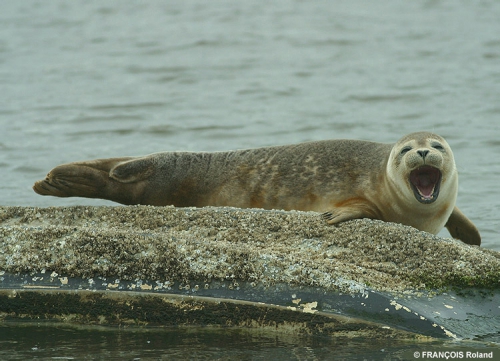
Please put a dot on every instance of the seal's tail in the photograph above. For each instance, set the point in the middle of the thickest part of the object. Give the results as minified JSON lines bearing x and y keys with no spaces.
{"x":90,"y":179}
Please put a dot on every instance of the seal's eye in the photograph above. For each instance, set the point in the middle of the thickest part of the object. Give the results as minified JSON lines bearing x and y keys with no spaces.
{"x":438,"y":147}
{"x":405,"y":150}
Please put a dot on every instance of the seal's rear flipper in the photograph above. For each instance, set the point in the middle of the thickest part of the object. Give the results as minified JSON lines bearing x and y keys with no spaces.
{"x":91,"y":179}
{"x":462,"y":228}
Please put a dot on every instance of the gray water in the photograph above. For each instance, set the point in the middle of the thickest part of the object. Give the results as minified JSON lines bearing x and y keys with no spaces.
{"x":43,"y":342}
{"x":89,"y":79}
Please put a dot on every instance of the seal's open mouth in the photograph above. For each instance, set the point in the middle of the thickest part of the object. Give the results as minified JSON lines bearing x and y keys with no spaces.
{"x":425,"y":182}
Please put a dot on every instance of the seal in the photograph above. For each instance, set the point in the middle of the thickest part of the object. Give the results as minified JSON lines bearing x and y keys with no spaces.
{"x":413,"y":182}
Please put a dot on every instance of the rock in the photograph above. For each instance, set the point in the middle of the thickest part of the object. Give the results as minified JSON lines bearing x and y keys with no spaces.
{"x":390,"y":274}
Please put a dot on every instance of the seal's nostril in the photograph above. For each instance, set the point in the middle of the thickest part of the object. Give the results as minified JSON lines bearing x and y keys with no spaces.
{"x":423,"y":153}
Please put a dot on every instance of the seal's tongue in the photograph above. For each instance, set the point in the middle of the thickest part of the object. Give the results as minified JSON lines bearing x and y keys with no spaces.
{"x":425,"y":179}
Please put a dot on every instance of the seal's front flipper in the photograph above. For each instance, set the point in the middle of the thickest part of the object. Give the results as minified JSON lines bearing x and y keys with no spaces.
{"x":342,"y":214}
{"x":462,"y":228}
{"x":353,"y":208}
{"x":89,"y":179}
{"x":134,"y":170}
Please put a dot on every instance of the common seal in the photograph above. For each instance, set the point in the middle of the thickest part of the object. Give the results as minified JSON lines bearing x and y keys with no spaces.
{"x":413,"y":182}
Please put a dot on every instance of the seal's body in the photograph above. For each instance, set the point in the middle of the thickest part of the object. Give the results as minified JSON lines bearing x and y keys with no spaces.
{"x":413,"y":182}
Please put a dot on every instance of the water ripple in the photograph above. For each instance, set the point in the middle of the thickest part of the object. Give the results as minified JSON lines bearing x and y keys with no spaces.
{"x":403,"y":97}
{"x":128,"y":106}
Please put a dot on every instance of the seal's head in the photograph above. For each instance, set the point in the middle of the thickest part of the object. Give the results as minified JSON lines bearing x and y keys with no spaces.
{"x":422,"y":167}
